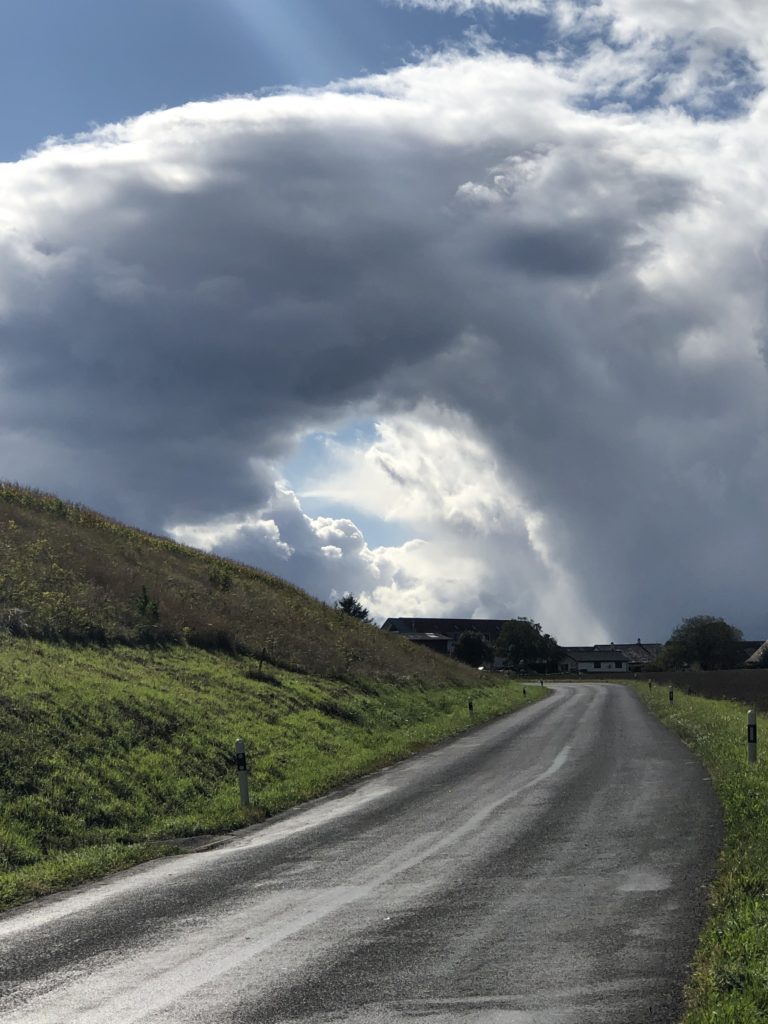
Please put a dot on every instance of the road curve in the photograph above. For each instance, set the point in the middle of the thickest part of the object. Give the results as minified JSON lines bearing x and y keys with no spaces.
{"x":548,"y":868}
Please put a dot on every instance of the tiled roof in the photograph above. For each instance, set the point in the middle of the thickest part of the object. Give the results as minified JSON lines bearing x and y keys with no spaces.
{"x":756,"y":656}
{"x":452,"y":628}
{"x":643,"y":653}
{"x":600,"y":653}
{"x":427,"y":636}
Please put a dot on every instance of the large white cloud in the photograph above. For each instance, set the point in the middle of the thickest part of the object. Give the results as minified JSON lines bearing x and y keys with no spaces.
{"x":478,"y":552}
{"x":731,"y":23}
{"x":707,"y":55}
{"x":464,"y":249}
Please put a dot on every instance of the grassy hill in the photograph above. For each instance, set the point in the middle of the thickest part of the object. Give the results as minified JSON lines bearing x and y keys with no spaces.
{"x":70,"y":574}
{"x":129,"y":665}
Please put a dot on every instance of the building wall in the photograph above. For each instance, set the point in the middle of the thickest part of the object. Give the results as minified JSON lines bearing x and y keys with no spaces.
{"x":605,"y":665}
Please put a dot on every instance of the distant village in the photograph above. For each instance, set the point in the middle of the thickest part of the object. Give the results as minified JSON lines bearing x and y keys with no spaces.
{"x":442,"y":635}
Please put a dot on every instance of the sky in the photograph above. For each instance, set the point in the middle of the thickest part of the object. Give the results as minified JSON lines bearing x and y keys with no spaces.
{"x":458,"y":305}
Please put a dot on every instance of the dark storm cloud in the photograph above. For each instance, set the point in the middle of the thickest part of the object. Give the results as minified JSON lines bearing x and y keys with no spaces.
{"x":577,"y":249}
{"x":184,"y":295}
{"x":178,"y":329}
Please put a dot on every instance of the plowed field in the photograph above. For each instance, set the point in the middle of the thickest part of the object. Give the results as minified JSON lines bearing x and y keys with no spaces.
{"x":749,"y":686}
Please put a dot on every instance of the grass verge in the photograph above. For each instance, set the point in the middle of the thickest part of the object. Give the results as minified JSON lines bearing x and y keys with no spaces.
{"x":729,"y":984}
{"x":110,"y":752}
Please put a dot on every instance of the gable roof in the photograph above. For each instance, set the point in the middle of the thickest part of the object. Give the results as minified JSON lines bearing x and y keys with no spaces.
{"x":756,"y":656}
{"x":451,"y":628}
{"x":601,"y":652}
{"x":641,"y":654}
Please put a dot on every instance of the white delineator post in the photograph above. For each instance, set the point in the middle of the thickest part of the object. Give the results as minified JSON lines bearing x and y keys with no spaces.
{"x":242,"y":773}
{"x":752,"y":736}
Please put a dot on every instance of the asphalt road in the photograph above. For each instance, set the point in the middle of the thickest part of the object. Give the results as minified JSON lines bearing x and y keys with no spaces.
{"x":549,"y":868}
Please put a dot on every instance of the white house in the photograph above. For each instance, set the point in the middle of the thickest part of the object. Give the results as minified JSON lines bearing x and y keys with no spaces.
{"x":600,"y":658}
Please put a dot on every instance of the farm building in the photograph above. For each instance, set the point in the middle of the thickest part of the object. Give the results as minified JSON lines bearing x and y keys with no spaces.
{"x":441,"y":634}
{"x":599,"y":658}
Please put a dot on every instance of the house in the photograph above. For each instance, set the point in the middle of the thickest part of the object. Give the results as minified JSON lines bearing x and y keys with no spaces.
{"x":755,"y":659}
{"x":434,"y":641}
{"x":598,"y":658}
{"x":441,"y":634}
{"x":640,"y":656}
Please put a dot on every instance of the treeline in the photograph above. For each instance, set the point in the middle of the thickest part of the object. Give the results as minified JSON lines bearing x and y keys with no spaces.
{"x":521,"y":644}
{"x":700,"y":642}
{"x":705,"y":642}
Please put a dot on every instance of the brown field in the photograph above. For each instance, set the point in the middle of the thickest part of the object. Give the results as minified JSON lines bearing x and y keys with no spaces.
{"x":748,"y":686}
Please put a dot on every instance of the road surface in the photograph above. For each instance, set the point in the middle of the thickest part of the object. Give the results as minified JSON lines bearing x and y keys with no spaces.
{"x":548,"y":868}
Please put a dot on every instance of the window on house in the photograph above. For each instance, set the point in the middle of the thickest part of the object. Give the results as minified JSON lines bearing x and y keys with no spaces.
{"x":598,"y":664}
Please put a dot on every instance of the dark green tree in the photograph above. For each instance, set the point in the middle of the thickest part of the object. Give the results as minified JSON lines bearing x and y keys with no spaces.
{"x":351,"y":606}
{"x":522,"y":643}
{"x":703,"y":640}
{"x":473,"y":649}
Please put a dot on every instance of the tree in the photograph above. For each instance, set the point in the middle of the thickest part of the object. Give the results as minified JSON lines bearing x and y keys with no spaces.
{"x":703,"y":640}
{"x":351,"y":606}
{"x":522,"y":642}
{"x":473,"y":649}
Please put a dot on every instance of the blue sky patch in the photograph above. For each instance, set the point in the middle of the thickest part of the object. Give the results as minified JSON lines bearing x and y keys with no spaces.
{"x":66,"y":67}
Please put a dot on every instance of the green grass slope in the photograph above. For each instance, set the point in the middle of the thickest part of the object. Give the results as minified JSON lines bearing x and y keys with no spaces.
{"x":70,"y":574}
{"x":107,"y":751}
{"x":730,"y":978}
{"x":130,"y":664}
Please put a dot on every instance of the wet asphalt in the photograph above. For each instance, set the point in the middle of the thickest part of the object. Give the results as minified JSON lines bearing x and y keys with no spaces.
{"x":548,"y":868}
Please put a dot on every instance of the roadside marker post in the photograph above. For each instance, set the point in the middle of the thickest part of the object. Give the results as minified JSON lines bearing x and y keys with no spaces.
{"x":671,"y":694}
{"x":242,"y":773}
{"x":752,"y":736}
{"x":470,"y":706}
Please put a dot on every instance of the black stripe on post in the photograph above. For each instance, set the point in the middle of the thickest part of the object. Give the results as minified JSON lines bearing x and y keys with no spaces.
{"x":752,"y":736}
